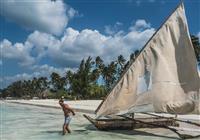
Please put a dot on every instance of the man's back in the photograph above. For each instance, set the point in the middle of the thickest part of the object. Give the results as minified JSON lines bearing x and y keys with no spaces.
{"x":66,"y":109}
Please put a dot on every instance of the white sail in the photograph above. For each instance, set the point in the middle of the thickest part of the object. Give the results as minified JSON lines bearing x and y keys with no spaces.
{"x":166,"y":68}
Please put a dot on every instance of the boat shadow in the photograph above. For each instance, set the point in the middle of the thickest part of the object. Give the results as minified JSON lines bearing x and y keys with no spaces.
{"x":132,"y":132}
{"x":143,"y":133}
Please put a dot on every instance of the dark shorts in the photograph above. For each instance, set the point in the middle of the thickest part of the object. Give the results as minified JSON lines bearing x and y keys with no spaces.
{"x":67,"y":120}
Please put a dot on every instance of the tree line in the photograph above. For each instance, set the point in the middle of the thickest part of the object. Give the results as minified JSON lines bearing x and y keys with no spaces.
{"x":92,"y":80}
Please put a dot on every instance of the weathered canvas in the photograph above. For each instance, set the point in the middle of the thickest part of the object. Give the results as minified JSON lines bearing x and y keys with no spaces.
{"x":167,"y":70}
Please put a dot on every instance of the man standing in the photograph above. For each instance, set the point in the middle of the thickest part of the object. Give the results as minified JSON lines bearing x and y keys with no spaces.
{"x":67,"y":110}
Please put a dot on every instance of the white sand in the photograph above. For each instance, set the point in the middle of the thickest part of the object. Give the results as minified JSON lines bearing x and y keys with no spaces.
{"x":86,"y":106}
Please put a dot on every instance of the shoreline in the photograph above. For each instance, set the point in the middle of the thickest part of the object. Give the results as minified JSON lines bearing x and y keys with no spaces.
{"x":76,"y":109}
{"x":87,"y":106}
{"x":83,"y":106}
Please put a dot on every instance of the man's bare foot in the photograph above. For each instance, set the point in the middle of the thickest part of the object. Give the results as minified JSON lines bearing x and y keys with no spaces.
{"x":64,"y":132}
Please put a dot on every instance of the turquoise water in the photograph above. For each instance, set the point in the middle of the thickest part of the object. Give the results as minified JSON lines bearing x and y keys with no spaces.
{"x":23,"y":122}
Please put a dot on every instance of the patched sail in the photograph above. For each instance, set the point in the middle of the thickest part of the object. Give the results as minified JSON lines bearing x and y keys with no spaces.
{"x":167,"y":70}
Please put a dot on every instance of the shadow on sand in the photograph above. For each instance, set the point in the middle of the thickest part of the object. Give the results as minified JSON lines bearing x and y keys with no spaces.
{"x":60,"y":131}
{"x":52,"y":132}
{"x":132,"y":132}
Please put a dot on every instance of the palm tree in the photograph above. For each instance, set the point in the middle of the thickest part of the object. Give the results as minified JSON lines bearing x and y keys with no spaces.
{"x":69,"y":78}
{"x":57,"y":81}
{"x":15,"y":89}
{"x":134,"y":55}
{"x":42,"y":85}
{"x":196,"y":45}
{"x":34,"y":86}
{"x":95,"y":75}
{"x":137,"y":52}
{"x":99,"y":63}
{"x":81,"y":80}
{"x":121,"y":62}
{"x":98,"y":69}
{"x":109,"y":74}
{"x":27,"y":87}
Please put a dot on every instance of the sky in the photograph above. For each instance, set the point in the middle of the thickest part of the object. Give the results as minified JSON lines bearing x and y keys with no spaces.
{"x":39,"y":37}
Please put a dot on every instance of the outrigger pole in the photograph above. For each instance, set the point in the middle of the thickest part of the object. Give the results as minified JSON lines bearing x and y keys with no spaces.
{"x":189,"y":122}
{"x":182,"y":136}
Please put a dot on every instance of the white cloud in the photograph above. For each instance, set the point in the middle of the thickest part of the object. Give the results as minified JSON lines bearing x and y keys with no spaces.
{"x":42,"y":42}
{"x":71,"y":48}
{"x":17,"y":51}
{"x":140,"y":24}
{"x":75,"y":45}
{"x":111,"y":30}
{"x":44,"y":15}
{"x":39,"y":71}
{"x":46,"y":70}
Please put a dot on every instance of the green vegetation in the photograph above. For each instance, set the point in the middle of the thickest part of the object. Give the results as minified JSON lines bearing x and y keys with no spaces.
{"x":92,"y":80}
{"x":196,"y":45}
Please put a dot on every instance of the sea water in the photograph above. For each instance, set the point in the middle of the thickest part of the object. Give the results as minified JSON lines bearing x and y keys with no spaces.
{"x":24,"y":122}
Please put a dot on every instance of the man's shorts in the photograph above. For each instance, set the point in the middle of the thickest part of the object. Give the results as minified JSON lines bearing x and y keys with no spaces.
{"x":67,"y":120}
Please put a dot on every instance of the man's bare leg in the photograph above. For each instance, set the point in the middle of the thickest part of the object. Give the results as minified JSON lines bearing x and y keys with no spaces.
{"x":67,"y":128}
{"x":64,"y":129}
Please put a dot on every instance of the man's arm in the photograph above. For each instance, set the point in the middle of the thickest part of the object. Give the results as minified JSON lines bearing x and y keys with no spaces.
{"x":70,"y":109}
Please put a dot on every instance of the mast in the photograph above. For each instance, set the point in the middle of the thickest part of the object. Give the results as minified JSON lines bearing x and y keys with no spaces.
{"x":180,"y":4}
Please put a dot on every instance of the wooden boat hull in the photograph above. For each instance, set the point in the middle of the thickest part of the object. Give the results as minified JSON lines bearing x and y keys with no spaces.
{"x":125,"y":124}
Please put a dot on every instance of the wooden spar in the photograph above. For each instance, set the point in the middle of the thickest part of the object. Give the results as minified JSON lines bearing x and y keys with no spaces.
{"x":126,"y":70}
{"x":189,"y":122}
{"x":182,"y":136}
{"x":127,"y":124}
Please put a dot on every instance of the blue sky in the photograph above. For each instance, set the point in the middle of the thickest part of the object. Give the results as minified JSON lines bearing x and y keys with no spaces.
{"x":39,"y":37}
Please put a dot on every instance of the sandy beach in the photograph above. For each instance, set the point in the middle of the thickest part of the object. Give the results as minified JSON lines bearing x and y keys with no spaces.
{"x":89,"y":106}
{"x":85,"y":106}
